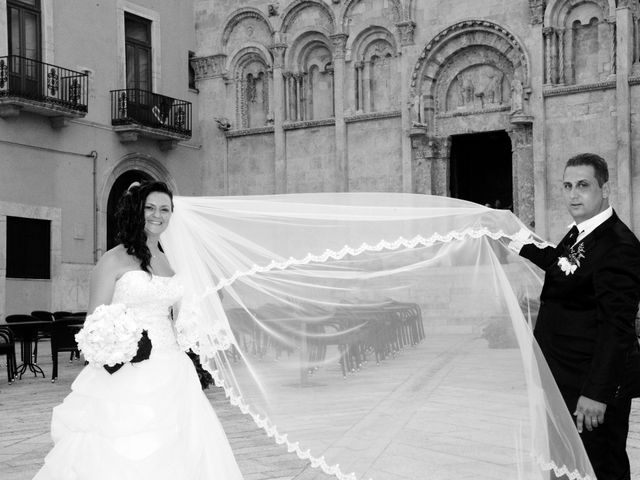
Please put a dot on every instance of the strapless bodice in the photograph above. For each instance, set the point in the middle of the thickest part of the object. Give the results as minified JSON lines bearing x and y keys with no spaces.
{"x":149,"y":298}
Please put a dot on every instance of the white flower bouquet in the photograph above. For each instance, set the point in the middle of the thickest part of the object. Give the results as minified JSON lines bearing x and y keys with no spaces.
{"x":111,"y":337}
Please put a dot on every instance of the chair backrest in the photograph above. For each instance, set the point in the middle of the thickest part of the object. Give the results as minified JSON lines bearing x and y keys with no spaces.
{"x":63,"y":334}
{"x":6,"y":336}
{"x":61,"y":314}
{"x":20,"y":318}
{"x":42,"y":315}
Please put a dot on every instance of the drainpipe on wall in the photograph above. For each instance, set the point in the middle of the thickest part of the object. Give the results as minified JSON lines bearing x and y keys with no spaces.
{"x":94,"y":156}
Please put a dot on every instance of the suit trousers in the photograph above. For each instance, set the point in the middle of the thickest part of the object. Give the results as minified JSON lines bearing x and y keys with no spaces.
{"x":606,"y":445}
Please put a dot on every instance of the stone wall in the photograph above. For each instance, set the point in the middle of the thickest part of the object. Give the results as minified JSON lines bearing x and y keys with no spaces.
{"x":550,"y":73}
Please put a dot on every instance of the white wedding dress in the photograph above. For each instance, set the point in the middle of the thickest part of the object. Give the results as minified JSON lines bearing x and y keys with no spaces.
{"x":147,"y":421}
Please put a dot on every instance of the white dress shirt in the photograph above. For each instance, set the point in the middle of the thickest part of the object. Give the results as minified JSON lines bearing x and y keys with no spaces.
{"x":588,"y":226}
{"x":584,"y":229}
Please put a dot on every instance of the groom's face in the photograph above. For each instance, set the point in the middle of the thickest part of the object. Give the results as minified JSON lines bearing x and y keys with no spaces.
{"x":583,"y":195}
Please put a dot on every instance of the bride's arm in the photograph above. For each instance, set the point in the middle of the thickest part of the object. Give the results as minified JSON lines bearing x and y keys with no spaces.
{"x":103,"y":281}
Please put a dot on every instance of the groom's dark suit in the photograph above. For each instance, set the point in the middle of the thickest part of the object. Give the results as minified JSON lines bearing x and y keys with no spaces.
{"x":585,"y":328}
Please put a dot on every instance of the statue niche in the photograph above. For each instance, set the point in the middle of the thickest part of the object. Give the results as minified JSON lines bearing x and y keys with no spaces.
{"x":477,"y":88}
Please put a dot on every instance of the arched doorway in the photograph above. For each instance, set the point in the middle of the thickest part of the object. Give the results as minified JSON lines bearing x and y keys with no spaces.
{"x":481,"y":168}
{"x":117,"y":190}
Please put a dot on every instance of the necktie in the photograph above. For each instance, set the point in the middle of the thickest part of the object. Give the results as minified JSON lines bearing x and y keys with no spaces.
{"x":571,"y":237}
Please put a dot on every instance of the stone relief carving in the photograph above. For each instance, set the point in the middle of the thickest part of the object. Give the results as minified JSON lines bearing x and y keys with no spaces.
{"x":406,"y":30}
{"x":478,"y":87}
{"x":517,"y":96}
{"x":211,"y":66}
{"x":254,"y":23}
{"x":536,"y":11}
{"x":272,"y":9}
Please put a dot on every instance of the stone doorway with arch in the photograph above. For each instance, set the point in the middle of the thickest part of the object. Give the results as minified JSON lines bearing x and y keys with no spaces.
{"x":131,"y":168}
{"x":472,"y":78}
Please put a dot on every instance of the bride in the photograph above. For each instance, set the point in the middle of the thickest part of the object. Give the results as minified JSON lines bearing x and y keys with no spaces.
{"x":148,"y":420}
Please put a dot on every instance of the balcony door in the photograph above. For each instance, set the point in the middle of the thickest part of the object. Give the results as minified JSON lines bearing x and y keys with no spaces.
{"x":138,"y":66}
{"x":25,"y":47}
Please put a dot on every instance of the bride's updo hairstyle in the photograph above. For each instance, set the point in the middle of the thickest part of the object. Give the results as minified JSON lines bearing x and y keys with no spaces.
{"x":130,"y":219}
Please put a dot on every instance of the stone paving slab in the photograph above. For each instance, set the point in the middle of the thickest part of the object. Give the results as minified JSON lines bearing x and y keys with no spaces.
{"x":25,"y":411}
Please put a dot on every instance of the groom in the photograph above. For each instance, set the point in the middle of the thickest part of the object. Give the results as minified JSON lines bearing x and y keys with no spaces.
{"x":586,"y":323}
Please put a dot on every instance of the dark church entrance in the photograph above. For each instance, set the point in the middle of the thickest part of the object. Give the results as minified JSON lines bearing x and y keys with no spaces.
{"x":119,"y":187}
{"x":481,"y":168}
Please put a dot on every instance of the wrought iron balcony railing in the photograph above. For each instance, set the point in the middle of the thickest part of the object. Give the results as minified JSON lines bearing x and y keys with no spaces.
{"x":134,"y":106}
{"x":28,"y":79}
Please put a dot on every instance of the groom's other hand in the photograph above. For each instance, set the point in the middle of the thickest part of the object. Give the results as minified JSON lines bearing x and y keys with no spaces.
{"x":589,"y":413}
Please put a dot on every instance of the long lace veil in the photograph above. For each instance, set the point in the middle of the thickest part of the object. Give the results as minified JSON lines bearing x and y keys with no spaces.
{"x":380,"y":336}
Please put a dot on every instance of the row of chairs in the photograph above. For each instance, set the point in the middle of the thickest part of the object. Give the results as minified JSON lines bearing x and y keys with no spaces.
{"x":358,"y":332}
{"x":61,"y":332}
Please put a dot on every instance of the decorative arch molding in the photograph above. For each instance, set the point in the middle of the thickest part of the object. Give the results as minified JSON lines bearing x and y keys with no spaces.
{"x":132,"y":161}
{"x":238,"y":16}
{"x":251,"y":71}
{"x":463,"y":35}
{"x":474,"y":36}
{"x":302,"y":45}
{"x":557,"y":11}
{"x":579,"y":41}
{"x":238,"y":56}
{"x":358,"y":44}
{"x":396,"y":9}
{"x":297,"y":6}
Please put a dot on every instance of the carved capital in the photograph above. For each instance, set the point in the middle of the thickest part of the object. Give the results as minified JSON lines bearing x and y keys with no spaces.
{"x":278,"y":49}
{"x":548,"y":31}
{"x":626,"y":3}
{"x":212,"y":66}
{"x":536,"y":11}
{"x":339,"y":41}
{"x":406,"y":30}
{"x":521,"y":135}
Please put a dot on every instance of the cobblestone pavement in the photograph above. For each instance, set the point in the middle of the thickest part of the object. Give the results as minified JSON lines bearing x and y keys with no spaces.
{"x":25,"y":410}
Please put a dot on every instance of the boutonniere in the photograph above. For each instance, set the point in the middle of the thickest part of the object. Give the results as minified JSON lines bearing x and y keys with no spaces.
{"x":570,"y":261}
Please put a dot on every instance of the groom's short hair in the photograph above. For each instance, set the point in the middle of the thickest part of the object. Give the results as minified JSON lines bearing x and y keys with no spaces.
{"x":598,"y":163}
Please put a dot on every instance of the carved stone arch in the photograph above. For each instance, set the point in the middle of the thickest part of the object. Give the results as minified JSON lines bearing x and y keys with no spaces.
{"x":448,"y":43}
{"x":557,"y":11}
{"x":396,"y":9}
{"x":247,"y":66}
{"x":148,"y":166}
{"x":297,"y":6}
{"x":366,"y":36}
{"x":236,"y":56}
{"x":237,"y":17}
{"x":302,"y":45}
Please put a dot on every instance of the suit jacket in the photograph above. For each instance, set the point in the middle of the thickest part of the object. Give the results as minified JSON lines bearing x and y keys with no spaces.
{"x":586,"y":322}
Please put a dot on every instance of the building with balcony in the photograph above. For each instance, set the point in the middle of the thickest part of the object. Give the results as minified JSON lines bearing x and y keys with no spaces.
{"x":483,"y":101}
{"x":93,"y":96}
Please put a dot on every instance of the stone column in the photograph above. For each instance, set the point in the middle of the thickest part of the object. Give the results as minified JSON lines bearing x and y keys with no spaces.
{"x":212,"y":80}
{"x":360,"y":86}
{"x":342,"y":168}
{"x":441,"y":153}
{"x":407,"y":47}
{"x":624,"y":54}
{"x":537,"y":80}
{"x":548,"y":78}
{"x":561,"y":73}
{"x":280,"y":160}
{"x":522,"y":172}
{"x":421,"y":163}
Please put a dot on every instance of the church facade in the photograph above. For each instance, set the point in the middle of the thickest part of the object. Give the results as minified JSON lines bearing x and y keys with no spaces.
{"x":480,"y":100}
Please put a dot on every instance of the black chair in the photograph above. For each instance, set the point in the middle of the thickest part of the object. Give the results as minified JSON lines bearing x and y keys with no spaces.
{"x":8,"y":348}
{"x":63,"y":339}
{"x":61,"y":314}
{"x":44,"y":316}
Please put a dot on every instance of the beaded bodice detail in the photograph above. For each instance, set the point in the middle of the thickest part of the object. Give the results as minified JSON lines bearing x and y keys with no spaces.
{"x":150,"y":299}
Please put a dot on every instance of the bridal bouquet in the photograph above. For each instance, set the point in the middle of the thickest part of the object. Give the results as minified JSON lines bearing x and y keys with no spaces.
{"x":111,"y":336}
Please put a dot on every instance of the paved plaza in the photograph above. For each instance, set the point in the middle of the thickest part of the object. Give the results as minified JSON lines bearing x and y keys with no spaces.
{"x":25,"y":410}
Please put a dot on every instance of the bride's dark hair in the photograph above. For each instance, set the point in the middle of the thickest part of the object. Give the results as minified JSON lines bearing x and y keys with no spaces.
{"x":130,"y":219}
